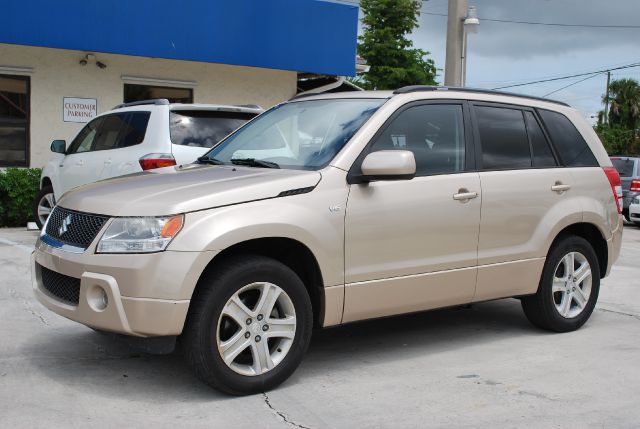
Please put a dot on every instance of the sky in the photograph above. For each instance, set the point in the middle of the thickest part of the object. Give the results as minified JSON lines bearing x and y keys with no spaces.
{"x":507,"y":53}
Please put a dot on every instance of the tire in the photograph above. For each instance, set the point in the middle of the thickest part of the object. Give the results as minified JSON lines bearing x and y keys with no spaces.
{"x":208,"y":325}
{"x":44,"y":200}
{"x":545,"y":309}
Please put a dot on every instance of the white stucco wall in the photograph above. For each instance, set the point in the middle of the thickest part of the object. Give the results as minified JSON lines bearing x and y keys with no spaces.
{"x":56,"y":73}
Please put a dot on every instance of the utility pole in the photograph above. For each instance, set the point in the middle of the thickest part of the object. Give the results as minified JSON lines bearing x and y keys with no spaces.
{"x":606,"y":99}
{"x":455,"y":35}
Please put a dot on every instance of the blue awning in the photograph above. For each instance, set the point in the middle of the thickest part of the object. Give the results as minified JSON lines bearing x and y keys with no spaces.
{"x":301,"y":35}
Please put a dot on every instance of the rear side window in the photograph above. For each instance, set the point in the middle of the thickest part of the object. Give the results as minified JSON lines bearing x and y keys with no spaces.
{"x":204,"y":128}
{"x":572,"y":148}
{"x":624,"y":166}
{"x":503,"y":138}
{"x":542,"y":154}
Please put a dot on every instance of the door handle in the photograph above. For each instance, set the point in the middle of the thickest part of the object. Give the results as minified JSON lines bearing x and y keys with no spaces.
{"x":80,"y":162}
{"x":107,"y":162}
{"x":560,"y":187}
{"x":464,"y":195}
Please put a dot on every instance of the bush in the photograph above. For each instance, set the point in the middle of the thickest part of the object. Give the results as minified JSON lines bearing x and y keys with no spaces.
{"x":18,"y":188}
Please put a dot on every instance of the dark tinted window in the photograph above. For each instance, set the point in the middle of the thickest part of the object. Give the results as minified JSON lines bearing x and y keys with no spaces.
{"x":624,"y":166}
{"x":14,"y":120}
{"x":134,"y":92}
{"x":570,"y":145}
{"x":203,"y":128}
{"x":111,"y":132}
{"x":542,"y":154}
{"x":503,"y":138}
{"x":434,"y":133}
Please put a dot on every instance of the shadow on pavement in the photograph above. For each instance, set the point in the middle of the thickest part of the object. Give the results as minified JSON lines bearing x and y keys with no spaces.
{"x":91,"y":362}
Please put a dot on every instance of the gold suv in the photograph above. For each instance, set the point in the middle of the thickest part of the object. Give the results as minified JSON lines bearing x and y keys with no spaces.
{"x":333,"y":208}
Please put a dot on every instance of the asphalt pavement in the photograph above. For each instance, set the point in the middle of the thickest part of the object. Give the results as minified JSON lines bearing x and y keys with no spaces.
{"x":483,"y":366}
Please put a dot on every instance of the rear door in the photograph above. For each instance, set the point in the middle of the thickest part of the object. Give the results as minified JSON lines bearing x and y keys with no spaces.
{"x":522,"y":188}
{"x":193,"y":132}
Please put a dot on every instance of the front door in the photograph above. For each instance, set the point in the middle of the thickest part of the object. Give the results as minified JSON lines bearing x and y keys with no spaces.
{"x":411,"y":245}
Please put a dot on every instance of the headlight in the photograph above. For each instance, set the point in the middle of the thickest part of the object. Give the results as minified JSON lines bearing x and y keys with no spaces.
{"x":636,"y":200}
{"x":140,"y":234}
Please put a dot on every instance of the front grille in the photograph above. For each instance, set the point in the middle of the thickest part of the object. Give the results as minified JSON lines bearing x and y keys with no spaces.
{"x":63,"y":287}
{"x":74,"y":228}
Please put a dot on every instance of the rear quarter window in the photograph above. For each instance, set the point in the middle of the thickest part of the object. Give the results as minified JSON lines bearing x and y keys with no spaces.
{"x":204,"y":128}
{"x":569,"y":143}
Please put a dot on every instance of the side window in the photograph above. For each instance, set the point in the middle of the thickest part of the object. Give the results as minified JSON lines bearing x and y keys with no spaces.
{"x":572,"y":148}
{"x":542,"y":154}
{"x":433,"y":132}
{"x":503,"y":138}
{"x":84,"y":139}
{"x":134,"y":128}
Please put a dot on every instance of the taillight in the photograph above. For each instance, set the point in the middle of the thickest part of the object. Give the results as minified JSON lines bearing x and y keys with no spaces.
{"x":616,"y":187}
{"x":156,"y":160}
{"x":635,"y":186}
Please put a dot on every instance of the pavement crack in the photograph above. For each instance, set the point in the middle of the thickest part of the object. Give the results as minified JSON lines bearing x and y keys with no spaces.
{"x":27,"y":306}
{"x":281,"y":414}
{"x":622,"y":313}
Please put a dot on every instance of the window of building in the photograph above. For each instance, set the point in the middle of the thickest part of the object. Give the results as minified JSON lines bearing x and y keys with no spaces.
{"x":111,"y":132}
{"x":134,"y":92}
{"x":433,"y":132}
{"x":503,"y":138}
{"x":572,"y":148}
{"x":542,"y":154}
{"x":14,"y":121}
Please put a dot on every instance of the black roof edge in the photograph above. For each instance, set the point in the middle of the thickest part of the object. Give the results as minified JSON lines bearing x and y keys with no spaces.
{"x":420,"y":88}
{"x":155,"y":101}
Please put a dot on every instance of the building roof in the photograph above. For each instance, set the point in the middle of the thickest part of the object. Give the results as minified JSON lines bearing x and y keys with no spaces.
{"x":300,"y":35}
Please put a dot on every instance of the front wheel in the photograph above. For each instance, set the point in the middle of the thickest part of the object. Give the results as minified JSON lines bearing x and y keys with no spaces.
{"x":568,"y":288}
{"x":249,"y":325}
{"x":43,"y":203}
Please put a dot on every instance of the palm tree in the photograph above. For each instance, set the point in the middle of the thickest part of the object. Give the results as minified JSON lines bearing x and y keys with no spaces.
{"x":624,"y":95}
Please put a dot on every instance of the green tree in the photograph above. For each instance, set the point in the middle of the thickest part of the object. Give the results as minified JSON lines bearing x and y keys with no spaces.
{"x":624,"y":96}
{"x":392,"y":60}
{"x":620,"y":135}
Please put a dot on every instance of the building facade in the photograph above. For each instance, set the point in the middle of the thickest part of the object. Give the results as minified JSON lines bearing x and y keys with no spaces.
{"x":55,"y":78}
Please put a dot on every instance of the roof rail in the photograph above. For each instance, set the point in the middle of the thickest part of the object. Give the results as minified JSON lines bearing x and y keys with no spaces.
{"x":155,"y":101}
{"x":250,"y":106}
{"x":420,"y":88}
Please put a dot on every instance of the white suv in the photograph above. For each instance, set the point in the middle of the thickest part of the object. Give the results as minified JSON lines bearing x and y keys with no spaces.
{"x":135,"y":137}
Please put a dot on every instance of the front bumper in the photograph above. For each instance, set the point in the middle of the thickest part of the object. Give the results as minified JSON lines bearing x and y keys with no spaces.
{"x":147,"y":294}
{"x":634,"y":212}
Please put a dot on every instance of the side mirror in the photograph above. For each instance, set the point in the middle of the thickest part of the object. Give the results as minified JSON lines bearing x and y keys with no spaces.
{"x":389,"y":165}
{"x":59,"y":146}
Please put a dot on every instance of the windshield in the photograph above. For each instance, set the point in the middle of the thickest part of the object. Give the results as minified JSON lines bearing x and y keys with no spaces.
{"x":300,"y":135}
{"x":624,"y":166}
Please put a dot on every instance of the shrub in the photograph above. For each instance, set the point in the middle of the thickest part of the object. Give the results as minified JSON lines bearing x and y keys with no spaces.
{"x":18,"y":188}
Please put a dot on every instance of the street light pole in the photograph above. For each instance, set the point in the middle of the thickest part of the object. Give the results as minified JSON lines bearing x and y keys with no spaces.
{"x":455,"y":36}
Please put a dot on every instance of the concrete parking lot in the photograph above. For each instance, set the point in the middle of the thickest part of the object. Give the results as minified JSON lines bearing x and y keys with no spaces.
{"x":483,"y":366}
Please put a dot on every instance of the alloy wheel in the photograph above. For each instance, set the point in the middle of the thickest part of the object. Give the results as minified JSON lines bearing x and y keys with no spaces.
{"x":571,"y":287}
{"x":256,"y":328}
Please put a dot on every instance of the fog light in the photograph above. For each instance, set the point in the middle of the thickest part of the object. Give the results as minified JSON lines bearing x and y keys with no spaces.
{"x":97,"y":298}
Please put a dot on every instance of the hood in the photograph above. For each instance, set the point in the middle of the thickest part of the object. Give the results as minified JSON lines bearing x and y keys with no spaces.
{"x":183,"y":189}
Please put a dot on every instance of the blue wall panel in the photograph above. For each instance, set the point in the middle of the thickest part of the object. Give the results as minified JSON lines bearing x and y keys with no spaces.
{"x":302,"y":35}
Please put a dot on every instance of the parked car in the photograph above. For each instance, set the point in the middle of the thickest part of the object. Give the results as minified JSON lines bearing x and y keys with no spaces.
{"x":396,"y":202}
{"x":629,"y":170}
{"x":634,"y":211}
{"x":135,"y":137}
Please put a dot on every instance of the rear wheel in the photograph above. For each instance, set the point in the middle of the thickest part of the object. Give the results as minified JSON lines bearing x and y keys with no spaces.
{"x":568,"y":288}
{"x":42,"y":205}
{"x":249,"y":325}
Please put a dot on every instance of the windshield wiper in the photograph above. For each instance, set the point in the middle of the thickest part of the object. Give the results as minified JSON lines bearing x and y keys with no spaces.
{"x":252,"y":162}
{"x":206,"y":160}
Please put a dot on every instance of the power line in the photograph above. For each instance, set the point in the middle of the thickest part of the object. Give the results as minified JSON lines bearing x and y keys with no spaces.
{"x":554,"y":24}
{"x":571,"y":84}
{"x":569,"y":76}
